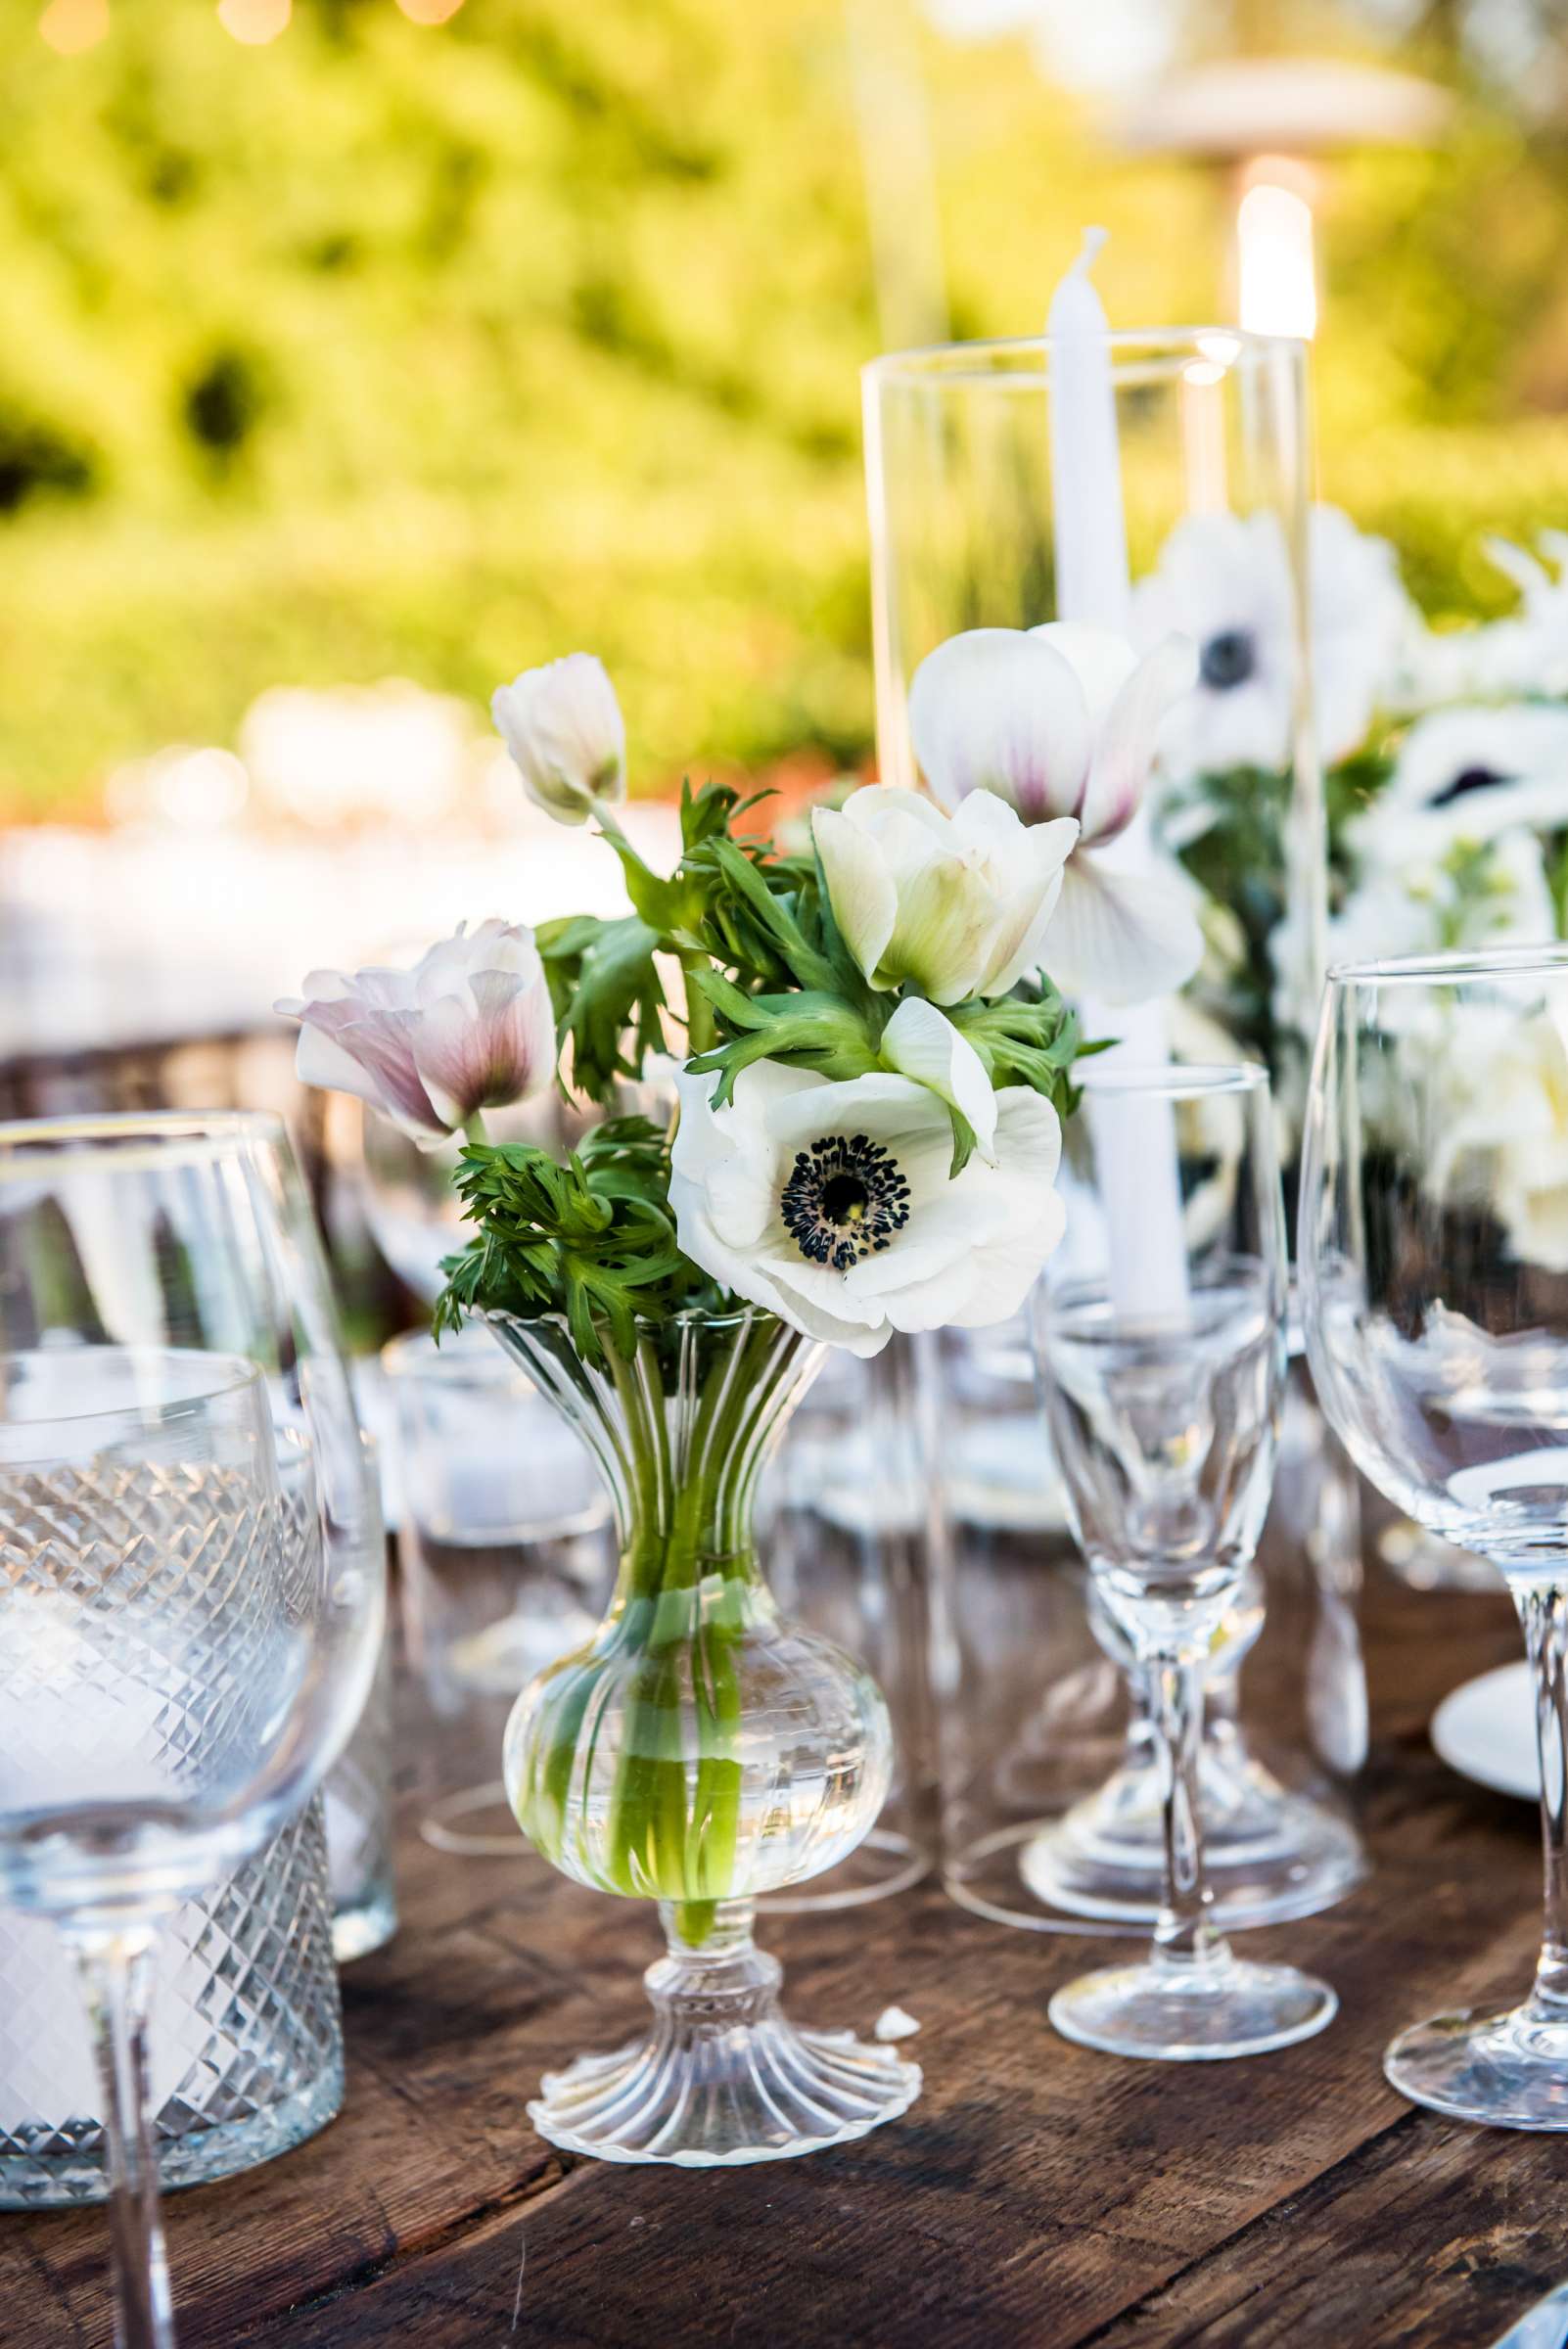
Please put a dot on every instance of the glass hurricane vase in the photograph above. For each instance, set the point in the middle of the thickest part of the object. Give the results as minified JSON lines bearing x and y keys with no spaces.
{"x":698,"y":1751}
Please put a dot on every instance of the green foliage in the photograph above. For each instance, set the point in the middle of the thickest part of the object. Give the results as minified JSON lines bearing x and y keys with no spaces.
{"x":607,"y":998}
{"x":768,"y":975}
{"x":1239,"y":860}
{"x":808,"y":1030}
{"x":1028,"y":1038}
{"x":390,"y":348}
{"x":593,"y":1239}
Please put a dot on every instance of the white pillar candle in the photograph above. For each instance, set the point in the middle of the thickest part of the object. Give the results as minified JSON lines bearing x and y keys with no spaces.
{"x":1149,"y":1275}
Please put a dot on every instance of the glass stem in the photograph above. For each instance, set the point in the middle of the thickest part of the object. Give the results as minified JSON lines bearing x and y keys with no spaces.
{"x":1544,"y":1614}
{"x":116,"y":1977}
{"x":1182,"y":1929}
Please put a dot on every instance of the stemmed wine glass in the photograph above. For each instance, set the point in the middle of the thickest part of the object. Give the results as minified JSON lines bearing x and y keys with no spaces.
{"x":178,"y":1667}
{"x":1434,"y":1285}
{"x":1160,"y":1335}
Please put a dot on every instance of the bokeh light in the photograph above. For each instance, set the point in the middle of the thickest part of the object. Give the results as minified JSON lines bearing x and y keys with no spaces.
{"x":69,"y":26}
{"x":429,"y":12}
{"x":254,"y":22}
{"x":1277,"y":284}
{"x":184,"y":786}
{"x":390,"y":752}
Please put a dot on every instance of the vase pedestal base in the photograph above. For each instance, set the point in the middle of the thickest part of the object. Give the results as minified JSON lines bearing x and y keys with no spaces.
{"x":722,"y":2078}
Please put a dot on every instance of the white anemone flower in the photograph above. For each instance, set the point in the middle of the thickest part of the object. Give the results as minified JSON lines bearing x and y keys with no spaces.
{"x":1225,"y":580}
{"x":1061,"y":722}
{"x":1425,"y":909}
{"x":1423,"y":905}
{"x":1504,"y":1140}
{"x":563,"y":726}
{"x":1467,"y":775}
{"x":956,"y":905}
{"x":469,"y":1028}
{"x":834,"y":1205}
{"x":1527,"y":651}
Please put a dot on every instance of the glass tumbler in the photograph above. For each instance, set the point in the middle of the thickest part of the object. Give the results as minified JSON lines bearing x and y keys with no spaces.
{"x":179,"y":1672}
{"x":246,"y":2035}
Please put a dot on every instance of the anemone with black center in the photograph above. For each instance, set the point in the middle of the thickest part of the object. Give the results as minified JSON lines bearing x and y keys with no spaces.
{"x":1228,"y":660}
{"x":844,"y":1199}
{"x":1464,"y":786}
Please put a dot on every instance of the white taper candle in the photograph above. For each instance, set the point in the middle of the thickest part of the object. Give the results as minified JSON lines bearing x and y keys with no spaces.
{"x":1150,"y":1274}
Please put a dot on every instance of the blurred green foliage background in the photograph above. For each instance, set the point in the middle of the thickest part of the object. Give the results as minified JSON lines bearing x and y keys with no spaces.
{"x":437,"y":350}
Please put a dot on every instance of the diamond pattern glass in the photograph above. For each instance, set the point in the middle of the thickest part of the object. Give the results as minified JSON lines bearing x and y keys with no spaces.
{"x":247,"y":2034}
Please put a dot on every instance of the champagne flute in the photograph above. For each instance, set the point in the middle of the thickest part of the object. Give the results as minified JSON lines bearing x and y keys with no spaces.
{"x":178,"y":1669}
{"x":1162,"y":1370}
{"x":1434,"y":1288}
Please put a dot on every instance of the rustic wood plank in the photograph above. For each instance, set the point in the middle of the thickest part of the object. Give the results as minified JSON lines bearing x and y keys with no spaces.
{"x":1036,"y":2193}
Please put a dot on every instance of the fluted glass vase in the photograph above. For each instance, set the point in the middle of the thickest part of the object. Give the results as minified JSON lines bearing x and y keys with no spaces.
{"x":698,"y":1751}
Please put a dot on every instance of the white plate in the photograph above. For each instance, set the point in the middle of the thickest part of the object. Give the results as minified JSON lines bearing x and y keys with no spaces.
{"x":1486,"y":1730}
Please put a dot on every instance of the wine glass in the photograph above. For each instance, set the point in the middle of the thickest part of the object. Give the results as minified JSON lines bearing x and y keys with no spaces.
{"x":1160,"y":1334}
{"x":178,"y":1672}
{"x":1434,"y":1284}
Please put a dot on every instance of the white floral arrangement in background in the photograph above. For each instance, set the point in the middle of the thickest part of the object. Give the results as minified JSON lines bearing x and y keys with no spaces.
{"x":1445,"y":758}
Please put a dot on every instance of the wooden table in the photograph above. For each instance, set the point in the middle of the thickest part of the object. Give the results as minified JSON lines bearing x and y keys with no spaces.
{"x":1037,"y":2193}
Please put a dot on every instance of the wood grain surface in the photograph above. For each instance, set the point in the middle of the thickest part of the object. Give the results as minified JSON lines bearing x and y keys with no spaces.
{"x":1037,"y":2193}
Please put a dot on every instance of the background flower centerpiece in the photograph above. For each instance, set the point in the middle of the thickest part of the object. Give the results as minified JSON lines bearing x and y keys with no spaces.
{"x":1445,"y":758}
{"x":860,"y":1065}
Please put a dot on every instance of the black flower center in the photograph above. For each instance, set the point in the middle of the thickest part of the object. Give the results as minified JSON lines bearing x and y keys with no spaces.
{"x":1474,"y":779}
{"x":1228,"y":660}
{"x":843,"y":1200}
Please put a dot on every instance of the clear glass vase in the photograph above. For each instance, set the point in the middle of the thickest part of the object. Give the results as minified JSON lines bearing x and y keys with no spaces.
{"x":698,"y":1751}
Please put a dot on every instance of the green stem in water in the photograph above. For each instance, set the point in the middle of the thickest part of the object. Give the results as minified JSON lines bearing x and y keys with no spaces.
{"x":676,"y":1830}
{"x":662,"y":1683}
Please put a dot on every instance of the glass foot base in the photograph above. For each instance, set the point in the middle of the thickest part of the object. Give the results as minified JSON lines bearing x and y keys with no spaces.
{"x":721,"y":2078}
{"x":1183,"y":2010}
{"x":886,"y":1863}
{"x":1269,"y":1854}
{"x":476,"y":1822}
{"x":1503,"y":2066}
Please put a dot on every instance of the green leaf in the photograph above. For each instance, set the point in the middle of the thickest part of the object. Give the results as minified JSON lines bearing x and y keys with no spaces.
{"x":664,"y":905}
{"x":593,"y":1239}
{"x":773,"y":914}
{"x":609,"y":999}
{"x":807,"y":1031}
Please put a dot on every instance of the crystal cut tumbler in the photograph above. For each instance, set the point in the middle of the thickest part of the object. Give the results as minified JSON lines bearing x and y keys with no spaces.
{"x":247,"y":2034}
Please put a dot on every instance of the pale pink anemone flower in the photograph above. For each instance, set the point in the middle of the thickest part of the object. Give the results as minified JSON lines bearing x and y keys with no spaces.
{"x":1062,"y":721}
{"x":470,"y":1028}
